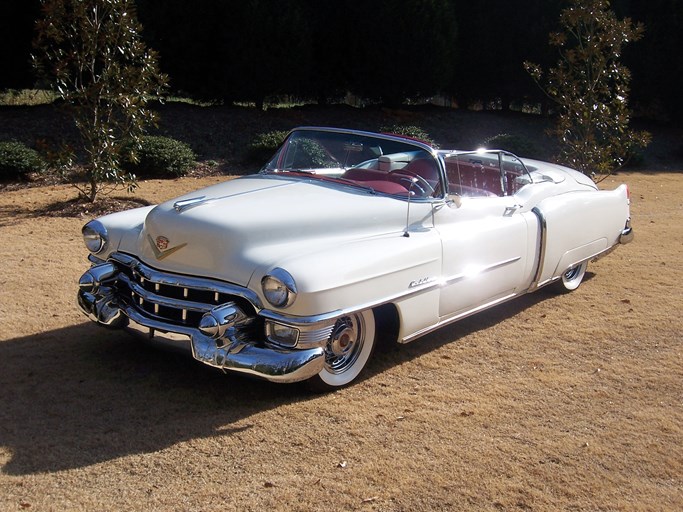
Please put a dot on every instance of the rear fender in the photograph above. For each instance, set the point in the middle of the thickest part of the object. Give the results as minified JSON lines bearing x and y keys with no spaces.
{"x":578,"y":226}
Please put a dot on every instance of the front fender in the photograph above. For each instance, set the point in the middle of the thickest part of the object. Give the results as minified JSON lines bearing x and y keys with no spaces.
{"x":359,"y":274}
{"x":123,"y":229}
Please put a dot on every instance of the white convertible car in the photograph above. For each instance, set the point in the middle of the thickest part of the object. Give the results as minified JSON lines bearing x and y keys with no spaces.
{"x":290,"y":274}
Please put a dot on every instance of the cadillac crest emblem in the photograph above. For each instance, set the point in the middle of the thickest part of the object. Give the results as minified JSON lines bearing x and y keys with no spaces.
{"x":160,"y":247}
{"x":162,"y":243}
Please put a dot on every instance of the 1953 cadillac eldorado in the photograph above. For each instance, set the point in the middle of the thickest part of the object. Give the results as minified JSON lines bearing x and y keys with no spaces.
{"x":291,"y":273}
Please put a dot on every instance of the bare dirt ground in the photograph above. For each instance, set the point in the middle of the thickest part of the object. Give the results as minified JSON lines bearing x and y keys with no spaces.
{"x":571,"y":402}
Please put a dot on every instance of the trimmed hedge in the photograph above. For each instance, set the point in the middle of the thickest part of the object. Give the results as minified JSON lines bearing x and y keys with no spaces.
{"x":264,"y":145}
{"x":17,"y":160}
{"x":160,"y":157}
{"x":411,"y":131}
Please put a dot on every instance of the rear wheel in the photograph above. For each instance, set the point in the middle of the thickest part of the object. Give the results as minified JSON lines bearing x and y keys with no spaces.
{"x":347,"y":352}
{"x":571,"y":279}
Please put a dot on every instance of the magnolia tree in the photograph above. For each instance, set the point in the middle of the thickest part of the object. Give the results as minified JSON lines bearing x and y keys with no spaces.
{"x":590,"y":87}
{"x":92,"y":53}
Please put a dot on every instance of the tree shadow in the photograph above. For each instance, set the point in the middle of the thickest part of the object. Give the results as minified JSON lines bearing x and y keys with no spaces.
{"x":82,"y":395}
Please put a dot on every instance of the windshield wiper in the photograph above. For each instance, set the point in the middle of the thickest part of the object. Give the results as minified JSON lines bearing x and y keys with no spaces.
{"x":278,"y":171}
{"x":356,"y":184}
{"x":323,"y":177}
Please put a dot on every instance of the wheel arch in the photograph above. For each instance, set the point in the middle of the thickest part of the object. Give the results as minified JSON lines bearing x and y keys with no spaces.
{"x":387,"y":325}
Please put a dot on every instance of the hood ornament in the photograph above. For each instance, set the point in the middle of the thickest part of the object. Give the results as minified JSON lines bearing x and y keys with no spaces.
{"x":184,"y":204}
{"x":161,"y":248}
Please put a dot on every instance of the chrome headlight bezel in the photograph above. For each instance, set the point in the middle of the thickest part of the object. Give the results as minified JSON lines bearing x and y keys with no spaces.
{"x":279,"y":288}
{"x":95,"y":236}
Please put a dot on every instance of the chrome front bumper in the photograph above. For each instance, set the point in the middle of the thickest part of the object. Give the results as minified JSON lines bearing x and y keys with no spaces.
{"x":104,"y":305}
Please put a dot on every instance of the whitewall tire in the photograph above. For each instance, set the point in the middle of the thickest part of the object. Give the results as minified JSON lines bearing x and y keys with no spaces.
{"x":347,"y":352}
{"x":571,"y":278}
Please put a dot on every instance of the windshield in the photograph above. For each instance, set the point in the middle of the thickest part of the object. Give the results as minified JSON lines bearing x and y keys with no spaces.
{"x":384,"y":165}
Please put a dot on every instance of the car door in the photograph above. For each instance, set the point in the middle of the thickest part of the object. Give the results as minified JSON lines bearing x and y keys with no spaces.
{"x":485,"y":240}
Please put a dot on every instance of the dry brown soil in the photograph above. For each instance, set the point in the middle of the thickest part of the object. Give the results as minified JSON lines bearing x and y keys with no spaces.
{"x":571,"y":402}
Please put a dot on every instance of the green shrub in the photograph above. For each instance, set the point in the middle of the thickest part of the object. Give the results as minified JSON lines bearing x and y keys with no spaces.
{"x":310,"y":154}
{"x":414,"y":132}
{"x":635,"y":157}
{"x":17,"y":159}
{"x":161,"y":157}
{"x":264,"y":145}
{"x":517,"y":144}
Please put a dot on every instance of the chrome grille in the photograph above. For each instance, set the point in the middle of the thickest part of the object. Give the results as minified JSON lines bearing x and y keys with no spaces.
{"x":160,"y":300}
{"x":174,"y":298}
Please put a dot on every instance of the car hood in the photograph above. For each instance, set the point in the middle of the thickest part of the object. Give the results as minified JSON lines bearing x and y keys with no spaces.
{"x":229,"y":230}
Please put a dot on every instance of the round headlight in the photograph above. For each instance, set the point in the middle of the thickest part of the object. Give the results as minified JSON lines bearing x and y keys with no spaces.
{"x":279,"y":288}
{"x":95,"y":236}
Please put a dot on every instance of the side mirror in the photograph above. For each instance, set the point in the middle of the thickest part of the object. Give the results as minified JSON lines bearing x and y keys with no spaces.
{"x":454,"y":201}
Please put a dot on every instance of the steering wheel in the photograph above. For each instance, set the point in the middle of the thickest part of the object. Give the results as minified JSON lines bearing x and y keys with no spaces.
{"x":404,"y":175}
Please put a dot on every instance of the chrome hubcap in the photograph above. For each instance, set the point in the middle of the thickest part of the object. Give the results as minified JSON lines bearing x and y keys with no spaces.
{"x":571,"y":273}
{"x":345,"y":344}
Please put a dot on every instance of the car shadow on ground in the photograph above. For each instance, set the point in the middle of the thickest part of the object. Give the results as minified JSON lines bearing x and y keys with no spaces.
{"x":394,"y":354}
{"x":82,"y":395}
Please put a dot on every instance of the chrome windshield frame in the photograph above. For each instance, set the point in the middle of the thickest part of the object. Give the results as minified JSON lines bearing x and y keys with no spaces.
{"x":418,"y":145}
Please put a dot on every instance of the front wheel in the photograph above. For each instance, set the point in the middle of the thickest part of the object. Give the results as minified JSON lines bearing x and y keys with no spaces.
{"x":347,"y":352}
{"x":571,"y":279}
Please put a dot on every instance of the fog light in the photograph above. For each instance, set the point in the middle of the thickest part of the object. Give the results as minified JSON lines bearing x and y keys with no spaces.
{"x":282,"y":334}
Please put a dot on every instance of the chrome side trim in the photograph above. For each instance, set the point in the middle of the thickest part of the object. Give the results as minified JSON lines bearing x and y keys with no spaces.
{"x":308,"y":322}
{"x":626,"y":236}
{"x":604,"y":253}
{"x":542,"y":240}
{"x":487,"y":268}
{"x":304,"y":322}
